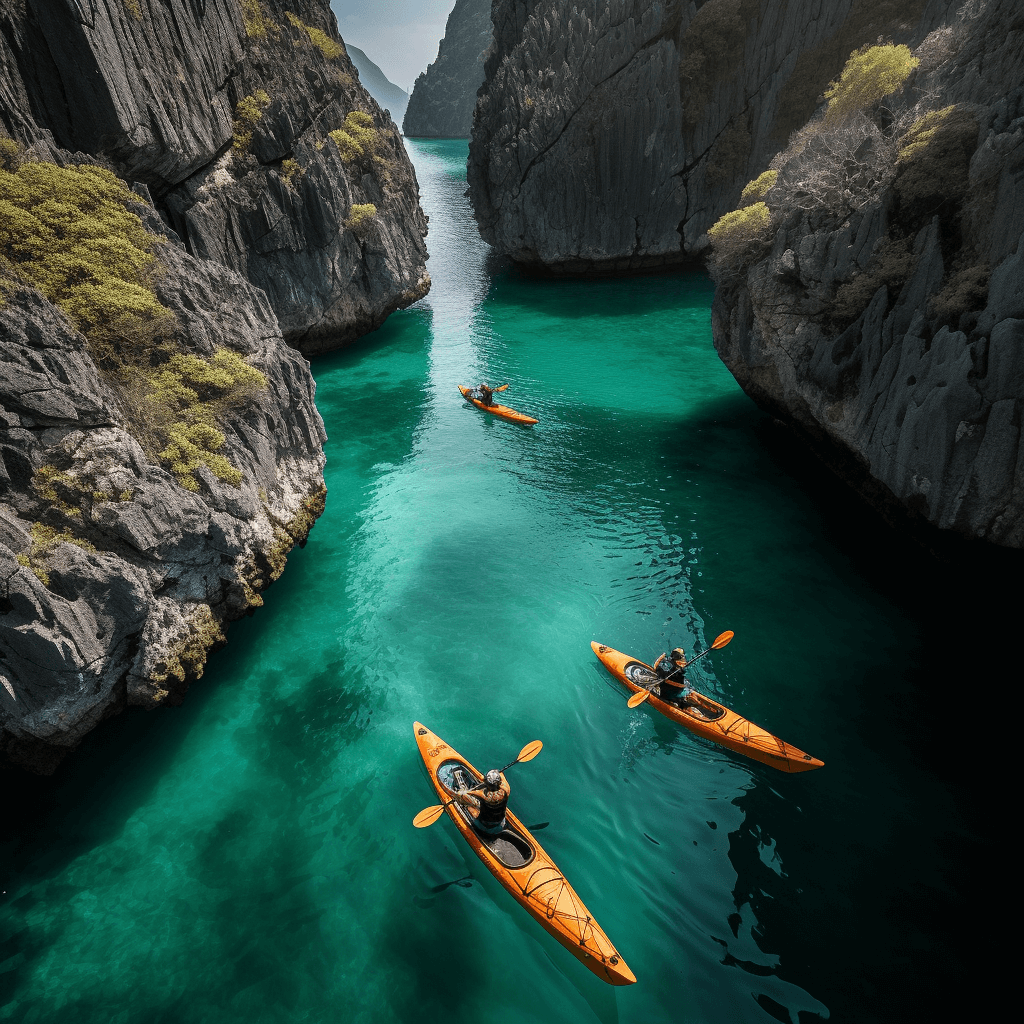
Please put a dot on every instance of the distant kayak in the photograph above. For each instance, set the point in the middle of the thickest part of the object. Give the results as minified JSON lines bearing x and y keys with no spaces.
{"x":708,"y":718}
{"x":495,"y":409}
{"x":520,"y":864}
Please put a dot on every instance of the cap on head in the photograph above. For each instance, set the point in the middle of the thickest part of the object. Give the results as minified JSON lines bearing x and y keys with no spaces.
{"x":493,"y":779}
{"x":678,"y":654}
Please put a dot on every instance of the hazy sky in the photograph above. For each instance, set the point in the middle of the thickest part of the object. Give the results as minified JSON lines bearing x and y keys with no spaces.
{"x":399,"y":36}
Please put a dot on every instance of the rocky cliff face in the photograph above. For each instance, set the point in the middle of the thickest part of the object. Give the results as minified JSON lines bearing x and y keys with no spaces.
{"x":443,"y":98}
{"x":612,"y":135}
{"x":154,"y":474}
{"x":253,"y":134}
{"x":874,"y":298}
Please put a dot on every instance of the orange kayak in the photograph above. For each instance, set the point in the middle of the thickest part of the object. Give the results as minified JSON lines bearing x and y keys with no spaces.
{"x":708,"y":718}
{"x":495,"y":409}
{"x":519,"y":863}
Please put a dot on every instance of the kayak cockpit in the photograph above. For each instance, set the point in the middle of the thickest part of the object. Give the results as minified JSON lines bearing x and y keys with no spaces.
{"x":508,"y":847}
{"x":697,"y":706}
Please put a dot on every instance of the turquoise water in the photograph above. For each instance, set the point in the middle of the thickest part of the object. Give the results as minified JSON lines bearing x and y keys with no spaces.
{"x":249,"y":856}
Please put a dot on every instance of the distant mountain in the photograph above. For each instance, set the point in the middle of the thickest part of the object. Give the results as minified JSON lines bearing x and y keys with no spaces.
{"x":388,"y":95}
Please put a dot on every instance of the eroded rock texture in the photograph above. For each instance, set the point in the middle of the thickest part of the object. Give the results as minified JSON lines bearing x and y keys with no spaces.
{"x":116,"y":580}
{"x":227,"y":117}
{"x":611,"y":135}
{"x":892,"y":336}
{"x":443,"y":98}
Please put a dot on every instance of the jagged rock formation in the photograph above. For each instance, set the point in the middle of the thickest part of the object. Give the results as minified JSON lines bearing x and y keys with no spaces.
{"x":238,"y":120}
{"x":443,"y":98}
{"x":881,"y":312}
{"x":116,"y":577}
{"x":611,"y":135}
{"x":389,"y":96}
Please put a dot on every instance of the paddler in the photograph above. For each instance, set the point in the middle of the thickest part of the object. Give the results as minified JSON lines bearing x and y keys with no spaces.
{"x":484,"y":393}
{"x":486,"y":804}
{"x":672,"y":684}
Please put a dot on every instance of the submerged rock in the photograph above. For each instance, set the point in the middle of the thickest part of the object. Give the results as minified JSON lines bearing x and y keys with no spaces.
{"x":245,"y":138}
{"x":443,"y":97}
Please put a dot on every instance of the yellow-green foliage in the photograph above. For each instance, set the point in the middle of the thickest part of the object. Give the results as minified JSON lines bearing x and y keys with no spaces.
{"x":134,"y":8}
{"x":357,"y":139}
{"x":360,"y":218}
{"x":254,"y":19}
{"x":193,"y":445}
{"x":869,"y":75}
{"x":323,"y":42}
{"x":290,"y":172}
{"x":759,"y":187}
{"x":923,"y":132}
{"x":248,"y":112}
{"x":67,"y":231}
{"x":44,"y":540}
{"x":188,"y":655}
{"x":740,"y":225}
{"x":187,"y":396}
{"x":9,"y":152}
{"x":738,"y":236}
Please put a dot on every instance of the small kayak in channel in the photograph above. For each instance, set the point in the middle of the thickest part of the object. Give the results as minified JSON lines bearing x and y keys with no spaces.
{"x":502,"y":411}
{"x":708,"y":718}
{"x":522,"y":867}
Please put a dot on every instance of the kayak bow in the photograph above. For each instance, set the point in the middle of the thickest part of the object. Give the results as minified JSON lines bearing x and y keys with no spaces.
{"x":522,"y":867}
{"x":708,"y":718}
{"x":502,"y":411}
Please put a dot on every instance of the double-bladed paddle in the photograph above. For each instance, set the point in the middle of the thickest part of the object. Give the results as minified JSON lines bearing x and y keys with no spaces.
{"x":638,"y":698}
{"x":430,"y":814}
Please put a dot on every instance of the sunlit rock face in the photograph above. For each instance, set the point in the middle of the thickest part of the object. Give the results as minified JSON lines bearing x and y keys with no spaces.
{"x":611,"y":135}
{"x":887,"y":327}
{"x":226,"y":112}
{"x":443,"y":98}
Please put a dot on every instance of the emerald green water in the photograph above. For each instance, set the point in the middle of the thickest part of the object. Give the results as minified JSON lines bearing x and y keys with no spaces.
{"x":249,"y":856}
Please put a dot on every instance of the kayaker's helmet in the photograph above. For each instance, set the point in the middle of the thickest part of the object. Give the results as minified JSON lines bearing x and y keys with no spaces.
{"x":493,"y":779}
{"x":678,"y":654}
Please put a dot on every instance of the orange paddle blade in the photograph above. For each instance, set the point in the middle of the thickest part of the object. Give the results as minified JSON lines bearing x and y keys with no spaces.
{"x":502,"y":388}
{"x":722,"y":640}
{"x":530,"y":751}
{"x":428,"y":816}
{"x":638,"y":698}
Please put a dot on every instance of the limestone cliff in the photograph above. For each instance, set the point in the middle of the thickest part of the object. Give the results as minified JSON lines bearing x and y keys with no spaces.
{"x":872,"y":286}
{"x":249,"y":126}
{"x":611,"y":135}
{"x":160,"y":453}
{"x":443,"y":97}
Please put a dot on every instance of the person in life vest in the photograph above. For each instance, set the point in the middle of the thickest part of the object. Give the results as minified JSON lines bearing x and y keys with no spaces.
{"x":672,"y":684}
{"x":485,"y":393}
{"x":486,"y":804}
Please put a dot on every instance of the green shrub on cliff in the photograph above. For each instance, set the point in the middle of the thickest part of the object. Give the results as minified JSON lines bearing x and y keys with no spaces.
{"x":934,"y":158}
{"x":360,"y":218}
{"x":248,"y":112}
{"x":739,"y":237}
{"x":68,"y":232}
{"x":357,"y":138}
{"x":759,"y":187}
{"x":870,"y":74}
{"x":255,"y":19}
{"x":320,"y":39}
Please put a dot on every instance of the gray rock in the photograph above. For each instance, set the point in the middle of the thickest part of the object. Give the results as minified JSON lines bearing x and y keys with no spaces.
{"x":918,"y":401}
{"x":100,"y":80}
{"x":612,"y":135}
{"x":443,"y":97}
{"x":115,"y":581}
